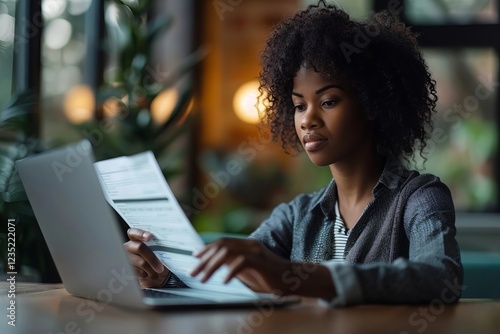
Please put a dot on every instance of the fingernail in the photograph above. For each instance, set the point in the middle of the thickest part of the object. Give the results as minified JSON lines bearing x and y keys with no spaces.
{"x":146,"y":235}
{"x":160,"y":268}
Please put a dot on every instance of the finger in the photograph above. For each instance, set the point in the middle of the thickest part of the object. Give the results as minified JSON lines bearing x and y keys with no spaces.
{"x":203,"y":261}
{"x":214,"y":263}
{"x":140,"y":273}
{"x":141,"y":249}
{"x":200,"y":252}
{"x":148,"y":283}
{"x":235,"y":267}
{"x":138,"y":234}
{"x":140,"y":263}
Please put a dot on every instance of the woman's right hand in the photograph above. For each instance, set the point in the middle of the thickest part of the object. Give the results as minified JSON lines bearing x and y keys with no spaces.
{"x":150,"y":270}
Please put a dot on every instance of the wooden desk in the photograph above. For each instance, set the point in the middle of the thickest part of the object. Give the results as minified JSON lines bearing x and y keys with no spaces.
{"x":49,"y":309}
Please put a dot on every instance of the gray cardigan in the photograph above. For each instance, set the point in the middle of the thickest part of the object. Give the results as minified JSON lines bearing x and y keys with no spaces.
{"x":401,"y":250}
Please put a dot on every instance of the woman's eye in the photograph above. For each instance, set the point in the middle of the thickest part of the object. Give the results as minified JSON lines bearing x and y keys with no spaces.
{"x":300,"y":107}
{"x":329,"y":103}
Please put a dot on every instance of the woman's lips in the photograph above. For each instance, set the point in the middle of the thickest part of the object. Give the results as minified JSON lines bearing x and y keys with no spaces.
{"x":313,"y":142}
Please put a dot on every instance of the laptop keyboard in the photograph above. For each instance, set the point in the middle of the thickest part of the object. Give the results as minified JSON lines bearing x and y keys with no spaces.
{"x":160,"y":294}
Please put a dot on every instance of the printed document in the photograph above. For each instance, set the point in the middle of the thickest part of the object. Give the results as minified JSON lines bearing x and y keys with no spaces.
{"x":136,"y":188}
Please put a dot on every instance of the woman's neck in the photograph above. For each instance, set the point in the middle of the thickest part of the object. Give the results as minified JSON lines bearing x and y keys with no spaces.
{"x":356,"y":177}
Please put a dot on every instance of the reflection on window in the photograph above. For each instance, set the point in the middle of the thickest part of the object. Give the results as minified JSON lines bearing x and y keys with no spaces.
{"x":7,"y":23}
{"x":451,"y":11}
{"x":465,"y":136}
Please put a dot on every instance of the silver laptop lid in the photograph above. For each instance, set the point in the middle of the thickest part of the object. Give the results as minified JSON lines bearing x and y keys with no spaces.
{"x":78,"y":225}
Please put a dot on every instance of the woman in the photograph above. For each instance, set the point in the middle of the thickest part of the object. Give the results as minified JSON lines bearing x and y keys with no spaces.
{"x":357,"y":97}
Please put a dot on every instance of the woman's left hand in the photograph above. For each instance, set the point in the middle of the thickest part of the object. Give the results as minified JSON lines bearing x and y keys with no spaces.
{"x":249,"y":260}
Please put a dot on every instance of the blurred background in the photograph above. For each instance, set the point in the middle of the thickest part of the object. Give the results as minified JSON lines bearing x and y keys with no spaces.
{"x":179,"y":77}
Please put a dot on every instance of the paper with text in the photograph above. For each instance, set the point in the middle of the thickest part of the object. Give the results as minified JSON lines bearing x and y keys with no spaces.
{"x":135,"y":187}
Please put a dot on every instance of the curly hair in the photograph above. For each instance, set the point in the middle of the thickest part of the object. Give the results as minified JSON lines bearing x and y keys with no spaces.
{"x":379,"y":56}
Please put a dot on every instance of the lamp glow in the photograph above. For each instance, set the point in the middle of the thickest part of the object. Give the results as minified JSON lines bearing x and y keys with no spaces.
{"x":79,"y":104}
{"x":245,"y":100}
{"x":163,"y":105}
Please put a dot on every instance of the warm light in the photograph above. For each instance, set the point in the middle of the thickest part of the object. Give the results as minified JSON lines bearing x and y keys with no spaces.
{"x":245,"y":100}
{"x":189,"y":109}
{"x":79,"y":104}
{"x":163,"y":105}
{"x":112,"y":107}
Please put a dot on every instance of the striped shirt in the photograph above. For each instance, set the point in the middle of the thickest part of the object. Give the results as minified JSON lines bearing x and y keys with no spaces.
{"x":340,"y":235}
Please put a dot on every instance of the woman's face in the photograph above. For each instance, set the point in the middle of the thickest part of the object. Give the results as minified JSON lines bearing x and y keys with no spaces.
{"x":329,"y":121}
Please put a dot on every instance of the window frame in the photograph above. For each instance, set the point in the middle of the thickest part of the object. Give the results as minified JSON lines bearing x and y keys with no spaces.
{"x":458,"y":36}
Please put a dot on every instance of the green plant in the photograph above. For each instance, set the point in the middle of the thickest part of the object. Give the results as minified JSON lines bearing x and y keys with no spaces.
{"x":127,"y":126}
{"x":33,"y":260}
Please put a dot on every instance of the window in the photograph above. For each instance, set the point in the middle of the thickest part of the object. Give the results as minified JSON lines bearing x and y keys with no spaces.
{"x":430,"y":12}
{"x":63,"y":54}
{"x":7,"y":26}
{"x":464,"y":145}
{"x":460,"y":43}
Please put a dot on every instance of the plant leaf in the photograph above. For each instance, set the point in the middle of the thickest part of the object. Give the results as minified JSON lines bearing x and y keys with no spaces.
{"x":178,"y":112}
{"x":143,"y":7}
{"x":15,"y":190}
{"x":133,"y":9}
{"x":164,"y":140}
{"x":14,"y":114}
{"x":185,"y":67}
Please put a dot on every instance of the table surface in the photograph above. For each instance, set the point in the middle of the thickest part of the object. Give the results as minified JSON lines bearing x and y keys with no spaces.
{"x":45,"y":308}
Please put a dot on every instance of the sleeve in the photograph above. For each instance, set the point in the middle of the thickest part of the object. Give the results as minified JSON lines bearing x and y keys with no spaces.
{"x":276,"y":232}
{"x":432,"y":272}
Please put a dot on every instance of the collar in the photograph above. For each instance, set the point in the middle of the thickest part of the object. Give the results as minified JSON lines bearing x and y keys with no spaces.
{"x":393,"y":176}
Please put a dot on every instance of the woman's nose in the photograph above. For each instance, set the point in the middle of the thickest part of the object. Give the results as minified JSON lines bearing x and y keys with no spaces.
{"x":310,"y":119}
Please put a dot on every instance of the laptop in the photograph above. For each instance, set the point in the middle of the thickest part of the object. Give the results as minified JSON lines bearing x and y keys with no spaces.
{"x":86,"y":243}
